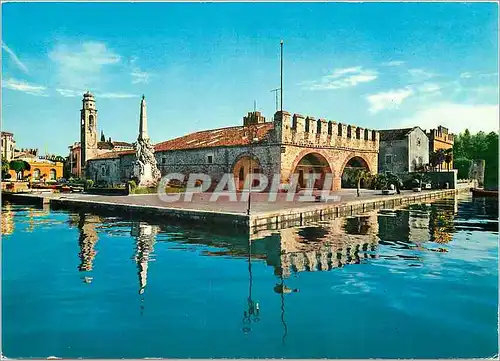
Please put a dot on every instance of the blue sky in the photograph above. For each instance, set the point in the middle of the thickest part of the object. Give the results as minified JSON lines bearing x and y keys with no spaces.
{"x":202,"y":65}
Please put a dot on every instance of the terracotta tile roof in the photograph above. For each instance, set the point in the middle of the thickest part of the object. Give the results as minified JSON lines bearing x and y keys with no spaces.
{"x":112,"y":155}
{"x":223,"y":137}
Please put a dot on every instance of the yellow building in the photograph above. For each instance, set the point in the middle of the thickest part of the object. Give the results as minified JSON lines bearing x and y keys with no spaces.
{"x":39,"y":169}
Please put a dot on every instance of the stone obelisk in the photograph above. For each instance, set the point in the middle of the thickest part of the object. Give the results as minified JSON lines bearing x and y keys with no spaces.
{"x":145,"y":167}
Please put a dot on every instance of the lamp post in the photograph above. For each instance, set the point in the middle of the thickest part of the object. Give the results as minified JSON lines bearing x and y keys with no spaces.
{"x":252,"y":137}
{"x":281,"y":76}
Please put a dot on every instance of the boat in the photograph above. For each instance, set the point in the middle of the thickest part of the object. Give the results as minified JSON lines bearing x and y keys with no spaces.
{"x":477,"y":192}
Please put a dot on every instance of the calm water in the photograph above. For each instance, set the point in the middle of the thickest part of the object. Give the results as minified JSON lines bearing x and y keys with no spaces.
{"x":420,"y":282}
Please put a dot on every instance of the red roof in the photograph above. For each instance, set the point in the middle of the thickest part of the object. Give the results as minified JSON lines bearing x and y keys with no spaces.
{"x":111,"y":155}
{"x":223,"y":137}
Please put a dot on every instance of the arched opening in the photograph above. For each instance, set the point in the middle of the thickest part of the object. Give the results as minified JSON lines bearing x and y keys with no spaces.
{"x":52,"y":174}
{"x":36,"y":174}
{"x":91,"y":121}
{"x":312,"y":170}
{"x":243,"y":167}
{"x":351,"y":171}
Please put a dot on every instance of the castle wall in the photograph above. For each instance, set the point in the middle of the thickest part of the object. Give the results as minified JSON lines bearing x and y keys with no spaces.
{"x":223,"y":160}
{"x":337,"y":142}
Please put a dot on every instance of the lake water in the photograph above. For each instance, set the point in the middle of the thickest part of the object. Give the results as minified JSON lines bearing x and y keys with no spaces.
{"x":420,"y":282}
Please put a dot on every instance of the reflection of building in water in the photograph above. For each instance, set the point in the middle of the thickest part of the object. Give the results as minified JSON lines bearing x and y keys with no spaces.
{"x":321,"y":248}
{"x":418,"y":224}
{"x":35,"y":217}
{"x":7,"y":219}
{"x":441,"y":222}
{"x":87,"y":240}
{"x":145,"y":235}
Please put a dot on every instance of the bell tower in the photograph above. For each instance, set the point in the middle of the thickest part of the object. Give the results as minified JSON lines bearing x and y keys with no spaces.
{"x":88,"y":130}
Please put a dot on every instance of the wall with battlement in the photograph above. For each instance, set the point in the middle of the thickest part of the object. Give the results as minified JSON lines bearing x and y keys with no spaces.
{"x":311,"y":132}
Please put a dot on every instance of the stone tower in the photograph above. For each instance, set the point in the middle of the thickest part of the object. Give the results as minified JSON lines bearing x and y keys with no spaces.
{"x":88,"y":130}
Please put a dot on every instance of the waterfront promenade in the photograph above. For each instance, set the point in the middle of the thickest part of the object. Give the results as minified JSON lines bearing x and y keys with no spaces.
{"x":264,"y":214}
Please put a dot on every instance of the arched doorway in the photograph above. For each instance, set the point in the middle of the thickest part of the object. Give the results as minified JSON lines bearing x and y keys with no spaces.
{"x":350,"y":171}
{"x":312,"y":170}
{"x":242,"y":168}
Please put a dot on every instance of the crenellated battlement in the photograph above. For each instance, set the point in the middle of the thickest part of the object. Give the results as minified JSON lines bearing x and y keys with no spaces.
{"x":311,"y":132}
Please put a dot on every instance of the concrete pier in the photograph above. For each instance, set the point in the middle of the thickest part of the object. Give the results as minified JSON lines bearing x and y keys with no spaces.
{"x":202,"y":213}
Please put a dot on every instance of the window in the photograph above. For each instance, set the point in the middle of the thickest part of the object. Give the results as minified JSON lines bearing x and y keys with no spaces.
{"x":210,"y":159}
{"x":388,"y":159}
{"x":163,"y":160}
{"x":418,"y":142}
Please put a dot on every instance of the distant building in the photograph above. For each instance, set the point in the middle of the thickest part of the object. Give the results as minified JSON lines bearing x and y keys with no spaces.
{"x":8,"y":146}
{"x":440,"y":139}
{"x":403,"y":150}
{"x":92,"y":147}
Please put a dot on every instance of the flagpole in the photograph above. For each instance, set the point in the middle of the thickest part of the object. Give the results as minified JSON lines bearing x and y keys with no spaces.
{"x":281,"y":76}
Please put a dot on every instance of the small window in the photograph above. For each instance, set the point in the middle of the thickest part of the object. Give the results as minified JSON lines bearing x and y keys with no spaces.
{"x":163,"y":160}
{"x":388,"y":159}
{"x":210,"y":159}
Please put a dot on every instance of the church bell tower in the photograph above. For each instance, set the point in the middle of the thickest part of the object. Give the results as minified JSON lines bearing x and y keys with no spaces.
{"x":88,"y":130}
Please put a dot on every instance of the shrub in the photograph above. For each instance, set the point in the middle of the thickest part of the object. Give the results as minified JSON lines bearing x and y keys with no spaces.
{"x":132,"y":184}
{"x":89,"y":183}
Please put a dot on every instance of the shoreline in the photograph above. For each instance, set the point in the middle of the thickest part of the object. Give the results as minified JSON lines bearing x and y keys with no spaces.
{"x":222,"y":216}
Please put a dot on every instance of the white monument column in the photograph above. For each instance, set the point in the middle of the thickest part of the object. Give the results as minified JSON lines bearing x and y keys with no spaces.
{"x":145,"y":168}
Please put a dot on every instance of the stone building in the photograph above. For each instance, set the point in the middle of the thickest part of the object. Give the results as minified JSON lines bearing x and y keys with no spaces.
{"x":440,"y":139}
{"x":403,"y":150}
{"x":8,"y":146}
{"x":288,"y":145}
{"x":90,"y":146}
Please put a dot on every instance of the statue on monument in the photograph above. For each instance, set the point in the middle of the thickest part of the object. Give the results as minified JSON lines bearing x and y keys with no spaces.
{"x":145,"y":169}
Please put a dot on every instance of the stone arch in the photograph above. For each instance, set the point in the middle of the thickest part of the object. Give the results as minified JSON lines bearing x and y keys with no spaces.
{"x":241,"y":168}
{"x":308,"y":162}
{"x":354,"y":160}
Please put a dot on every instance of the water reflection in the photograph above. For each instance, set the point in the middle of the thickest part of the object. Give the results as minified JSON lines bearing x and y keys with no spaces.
{"x":252,"y":313}
{"x":145,"y":235}
{"x":7,"y":219}
{"x":87,"y":241}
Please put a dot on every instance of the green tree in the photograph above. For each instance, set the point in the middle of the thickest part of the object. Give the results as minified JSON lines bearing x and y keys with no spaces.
{"x":5,"y":166}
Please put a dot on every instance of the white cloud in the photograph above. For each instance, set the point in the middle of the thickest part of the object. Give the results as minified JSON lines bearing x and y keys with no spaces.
{"x":116,"y":95}
{"x":429,"y":88}
{"x":394,"y":63}
{"x":81,"y":65}
{"x":70,"y":92}
{"x":343,"y":78}
{"x":140,"y":77}
{"x":14,"y":58}
{"x":388,"y":100}
{"x":419,"y":75}
{"x":22,"y":86}
{"x":466,"y":75}
{"x":456,"y":117}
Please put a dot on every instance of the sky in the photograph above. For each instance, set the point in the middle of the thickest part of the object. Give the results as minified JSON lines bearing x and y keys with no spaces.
{"x":203,"y":65}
